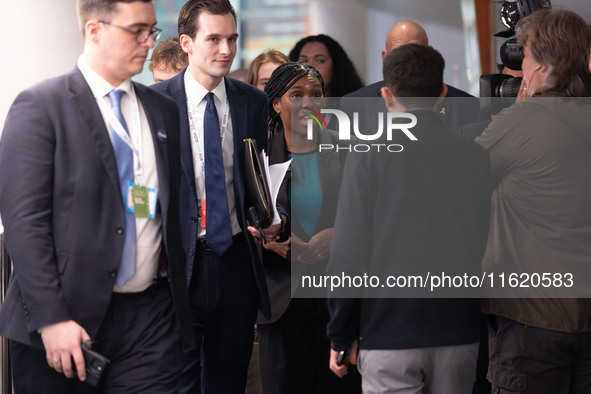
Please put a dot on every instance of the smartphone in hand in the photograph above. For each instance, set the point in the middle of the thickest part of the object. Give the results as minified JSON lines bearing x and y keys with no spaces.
{"x":96,"y":365}
{"x":343,"y":358}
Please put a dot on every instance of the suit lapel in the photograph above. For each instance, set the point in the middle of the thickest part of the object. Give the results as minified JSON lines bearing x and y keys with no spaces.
{"x":176,"y":90}
{"x":84,"y":103}
{"x":238,"y":114}
{"x":158,"y":132}
{"x":238,"y":111}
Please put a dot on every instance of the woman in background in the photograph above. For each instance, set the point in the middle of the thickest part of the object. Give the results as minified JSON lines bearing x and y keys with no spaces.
{"x":262,"y":67}
{"x":328,"y":57}
{"x":294,"y":349}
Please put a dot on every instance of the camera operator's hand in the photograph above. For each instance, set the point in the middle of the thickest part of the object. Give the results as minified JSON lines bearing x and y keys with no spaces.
{"x":62,"y":344}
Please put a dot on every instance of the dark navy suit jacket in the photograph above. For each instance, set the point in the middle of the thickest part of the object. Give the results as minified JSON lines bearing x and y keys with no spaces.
{"x":248,"y":110}
{"x":62,"y":208}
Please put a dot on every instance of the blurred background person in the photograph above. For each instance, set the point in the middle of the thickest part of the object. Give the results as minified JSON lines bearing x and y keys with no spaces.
{"x":457,"y":108}
{"x":540,"y":152}
{"x":294,"y":348}
{"x":168,"y":59}
{"x":262,"y":67}
{"x":331,"y":60}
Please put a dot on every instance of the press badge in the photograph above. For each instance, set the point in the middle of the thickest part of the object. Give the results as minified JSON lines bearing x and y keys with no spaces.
{"x":141,"y":201}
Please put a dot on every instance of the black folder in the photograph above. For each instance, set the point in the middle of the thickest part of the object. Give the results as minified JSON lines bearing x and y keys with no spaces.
{"x":260,"y":213}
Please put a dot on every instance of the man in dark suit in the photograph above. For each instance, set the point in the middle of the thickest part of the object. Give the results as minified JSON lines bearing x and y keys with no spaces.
{"x":227,"y":283}
{"x":456,"y":109}
{"x":401,"y":215}
{"x":89,"y":201}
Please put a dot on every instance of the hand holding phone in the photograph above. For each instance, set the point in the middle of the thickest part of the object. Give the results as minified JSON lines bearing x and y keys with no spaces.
{"x":343,"y":358}
{"x":96,"y":364}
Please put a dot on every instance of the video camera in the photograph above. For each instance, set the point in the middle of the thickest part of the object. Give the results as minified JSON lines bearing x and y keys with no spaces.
{"x":502,"y":85}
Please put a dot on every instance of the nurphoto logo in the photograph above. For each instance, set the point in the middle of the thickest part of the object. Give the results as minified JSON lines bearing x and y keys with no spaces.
{"x":392,"y":125}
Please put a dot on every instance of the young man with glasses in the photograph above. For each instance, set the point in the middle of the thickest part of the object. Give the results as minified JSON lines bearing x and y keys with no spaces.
{"x":91,"y":220}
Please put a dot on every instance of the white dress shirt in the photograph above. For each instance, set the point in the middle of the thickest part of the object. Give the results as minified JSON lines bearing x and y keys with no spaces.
{"x":148,"y":231}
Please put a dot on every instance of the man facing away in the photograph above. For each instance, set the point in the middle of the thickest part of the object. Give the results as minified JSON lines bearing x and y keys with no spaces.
{"x":91,"y":217}
{"x":168,"y":59}
{"x":227,"y":283}
{"x":422,"y":209}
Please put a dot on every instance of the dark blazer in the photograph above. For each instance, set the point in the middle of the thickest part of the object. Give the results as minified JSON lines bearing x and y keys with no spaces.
{"x":278,"y":271}
{"x":457,"y":108}
{"x":248,"y":109}
{"x":62,"y":208}
{"x":424,"y":209}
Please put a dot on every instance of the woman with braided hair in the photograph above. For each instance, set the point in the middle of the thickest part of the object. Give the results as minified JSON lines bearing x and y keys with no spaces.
{"x":294,"y":349}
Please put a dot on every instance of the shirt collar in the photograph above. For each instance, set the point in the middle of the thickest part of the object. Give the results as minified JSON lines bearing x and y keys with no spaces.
{"x":196,"y":92}
{"x":98,"y":85}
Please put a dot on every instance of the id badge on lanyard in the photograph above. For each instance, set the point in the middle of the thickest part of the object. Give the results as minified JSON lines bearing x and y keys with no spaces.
{"x":141,"y":200}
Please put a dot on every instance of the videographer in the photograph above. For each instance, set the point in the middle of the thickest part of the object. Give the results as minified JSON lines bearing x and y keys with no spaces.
{"x":540,"y":151}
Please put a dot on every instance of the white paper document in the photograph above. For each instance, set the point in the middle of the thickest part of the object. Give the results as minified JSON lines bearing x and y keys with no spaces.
{"x":275,"y":175}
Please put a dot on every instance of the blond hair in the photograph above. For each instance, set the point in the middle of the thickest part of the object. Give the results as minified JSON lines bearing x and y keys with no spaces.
{"x":269,"y":56}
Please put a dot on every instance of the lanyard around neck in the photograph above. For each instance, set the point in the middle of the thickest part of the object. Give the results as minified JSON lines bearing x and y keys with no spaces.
{"x":135,"y":132}
{"x":194,"y":130}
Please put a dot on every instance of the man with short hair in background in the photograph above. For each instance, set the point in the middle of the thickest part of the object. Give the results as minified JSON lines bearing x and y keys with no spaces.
{"x":91,"y":217}
{"x":456,"y":109}
{"x":168,"y":59}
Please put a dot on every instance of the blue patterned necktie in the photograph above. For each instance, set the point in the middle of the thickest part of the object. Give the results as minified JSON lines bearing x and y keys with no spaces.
{"x":218,"y":233}
{"x":124,"y":156}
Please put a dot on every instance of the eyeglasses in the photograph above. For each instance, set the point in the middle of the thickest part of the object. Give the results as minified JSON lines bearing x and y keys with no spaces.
{"x":141,"y":35}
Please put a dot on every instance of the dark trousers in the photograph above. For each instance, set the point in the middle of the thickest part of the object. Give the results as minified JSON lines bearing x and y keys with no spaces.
{"x":525,"y":359}
{"x":224,"y":302}
{"x":141,"y":337}
{"x":294,"y":352}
